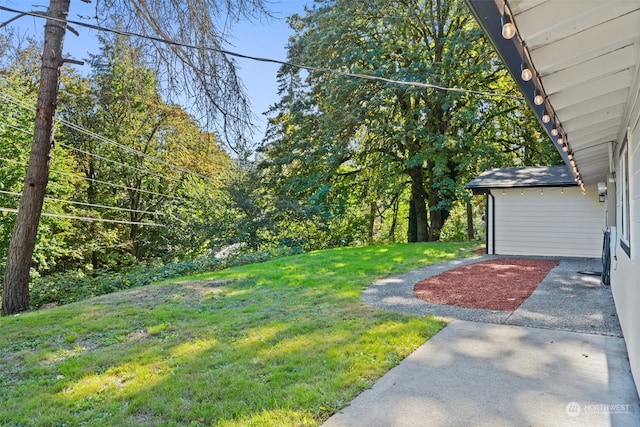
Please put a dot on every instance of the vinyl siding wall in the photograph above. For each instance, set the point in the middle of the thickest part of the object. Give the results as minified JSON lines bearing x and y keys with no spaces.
{"x":625,"y":270}
{"x":548,"y":222}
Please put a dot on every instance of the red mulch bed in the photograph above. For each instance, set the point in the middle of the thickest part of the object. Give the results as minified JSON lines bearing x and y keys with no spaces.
{"x":501,"y":284}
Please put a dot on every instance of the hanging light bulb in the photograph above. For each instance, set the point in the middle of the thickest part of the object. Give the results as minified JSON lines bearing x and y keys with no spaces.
{"x":538,"y":99}
{"x":508,"y":29}
{"x":526,"y":74}
{"x":546,"y":118}
{"x":560,"y":140}
{"x":565,"y":148}
{"x":554,"y":130}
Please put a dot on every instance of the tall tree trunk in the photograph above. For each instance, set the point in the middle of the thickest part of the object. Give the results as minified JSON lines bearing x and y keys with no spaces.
{"x":437,"y":216}
{"x":420,"y":205}
{"x":15,"y":293}
{"x":412,"y":229}
{"x":470,"y":231}
{"x":134,"y":216}
{"x":394,"y":220}
{"x":373,"y":208}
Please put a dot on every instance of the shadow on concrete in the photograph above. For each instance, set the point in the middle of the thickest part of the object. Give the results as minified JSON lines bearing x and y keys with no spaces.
{"x":558,"y":360}
{"x":500,"y":375}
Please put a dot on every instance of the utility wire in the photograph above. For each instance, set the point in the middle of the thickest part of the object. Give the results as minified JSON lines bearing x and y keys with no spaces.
{"x":96,"y":155}
{"x":132,"y":150}
{"x":14,"y":127}
{"x":88,"y":219}
{"x":269,"y":60}
{"x":106,"y":140}
{"x":101,"y":182}
{"x":116,"y":162}
{"x":92,"y":205}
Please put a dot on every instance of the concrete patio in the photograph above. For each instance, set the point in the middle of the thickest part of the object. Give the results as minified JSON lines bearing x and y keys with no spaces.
{"x":558,"y":360}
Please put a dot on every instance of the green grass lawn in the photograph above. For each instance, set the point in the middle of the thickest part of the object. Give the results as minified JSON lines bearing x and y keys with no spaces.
{"x":283,"y":343}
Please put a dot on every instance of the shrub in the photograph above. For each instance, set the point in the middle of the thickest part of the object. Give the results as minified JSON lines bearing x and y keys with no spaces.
{"x":64,"y":288}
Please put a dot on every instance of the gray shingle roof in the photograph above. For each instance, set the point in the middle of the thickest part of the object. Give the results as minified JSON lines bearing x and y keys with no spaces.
{"x":537,"y":176}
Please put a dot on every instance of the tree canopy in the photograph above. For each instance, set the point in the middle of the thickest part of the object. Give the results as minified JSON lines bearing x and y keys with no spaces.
{"x":332,"y":137}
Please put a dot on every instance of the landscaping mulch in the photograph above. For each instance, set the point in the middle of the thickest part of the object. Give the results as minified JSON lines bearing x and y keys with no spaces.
{"x":500,"y":284}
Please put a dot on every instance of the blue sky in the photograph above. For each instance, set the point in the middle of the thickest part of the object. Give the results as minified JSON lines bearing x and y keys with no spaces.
{"x":267,"y":40}
{"x":261,"y":39}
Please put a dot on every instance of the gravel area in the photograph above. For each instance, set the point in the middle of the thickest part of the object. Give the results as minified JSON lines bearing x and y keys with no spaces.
{"x":567,"y":299}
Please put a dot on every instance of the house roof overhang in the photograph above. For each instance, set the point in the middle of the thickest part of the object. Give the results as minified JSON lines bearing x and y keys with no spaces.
{"x":586,"y":61}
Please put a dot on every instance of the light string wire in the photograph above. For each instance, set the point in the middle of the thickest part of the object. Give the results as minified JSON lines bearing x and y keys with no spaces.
{"x":268,"y":60}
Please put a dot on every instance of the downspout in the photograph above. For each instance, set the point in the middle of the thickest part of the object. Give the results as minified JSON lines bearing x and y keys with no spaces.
{"x":493,"y":223}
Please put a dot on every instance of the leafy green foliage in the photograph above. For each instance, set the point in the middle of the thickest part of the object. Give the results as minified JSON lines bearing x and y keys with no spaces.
{"x":351,"y":148}
{"x":456,"y":227}
{"x":78,"y":285}
{"x":93,"y":178}
{"x":54,"y":244}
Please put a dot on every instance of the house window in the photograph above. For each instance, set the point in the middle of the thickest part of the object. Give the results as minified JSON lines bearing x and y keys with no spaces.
{"x":625,"y":229}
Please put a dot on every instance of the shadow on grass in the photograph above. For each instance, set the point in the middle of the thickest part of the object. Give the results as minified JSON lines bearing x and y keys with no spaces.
{"x":288,"y":344}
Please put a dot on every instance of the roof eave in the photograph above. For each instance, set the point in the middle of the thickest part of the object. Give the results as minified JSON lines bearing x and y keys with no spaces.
{"x":488,"y":14}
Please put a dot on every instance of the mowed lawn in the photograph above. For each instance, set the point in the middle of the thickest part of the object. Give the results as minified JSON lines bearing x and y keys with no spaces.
{"x":284,"y":343}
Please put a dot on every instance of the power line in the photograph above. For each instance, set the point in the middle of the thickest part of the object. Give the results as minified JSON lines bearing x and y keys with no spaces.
{"x":132,"y":150}
{"x":116,"y":162}
{"x":106,"y":140}
{"x":89,"y":219}
{"x":269,"y":60}
{"x":71,"y":202}
{"x":97,"y":156}
{"x":14,"y":127}
{"x":97,"y":181}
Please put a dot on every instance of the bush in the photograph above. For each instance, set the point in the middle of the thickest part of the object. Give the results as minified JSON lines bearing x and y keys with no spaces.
{"x":455,"y":227}
{"x":64,"y":288}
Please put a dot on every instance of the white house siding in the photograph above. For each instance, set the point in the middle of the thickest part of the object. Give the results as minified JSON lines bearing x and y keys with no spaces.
{"x":625,"y":270}
{"x":548,"y":222}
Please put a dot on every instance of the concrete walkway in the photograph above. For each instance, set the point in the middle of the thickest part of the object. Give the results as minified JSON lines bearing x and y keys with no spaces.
{"x":537,"y":366}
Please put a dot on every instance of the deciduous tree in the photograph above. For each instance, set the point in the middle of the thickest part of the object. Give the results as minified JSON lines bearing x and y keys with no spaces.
{"x":208,"y":75}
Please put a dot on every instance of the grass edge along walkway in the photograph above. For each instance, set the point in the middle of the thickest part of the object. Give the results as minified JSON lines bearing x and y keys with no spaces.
{"x":284,"y":342}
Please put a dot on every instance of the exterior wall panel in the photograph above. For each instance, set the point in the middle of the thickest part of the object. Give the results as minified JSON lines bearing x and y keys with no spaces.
{"x":549,"y":222}
{"x":625,"y":271}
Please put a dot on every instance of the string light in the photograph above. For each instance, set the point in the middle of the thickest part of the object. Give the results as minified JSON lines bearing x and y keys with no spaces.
{"x":526,"y":72}
{"x":508,"y":28}
{"x":546,"y":118}
{"x":538,"y":99}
